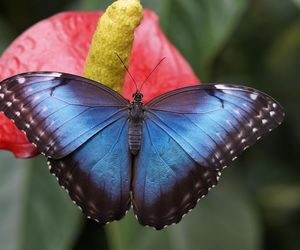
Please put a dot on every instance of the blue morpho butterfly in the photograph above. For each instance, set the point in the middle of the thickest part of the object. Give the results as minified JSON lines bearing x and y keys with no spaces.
{"x":160,"y":157}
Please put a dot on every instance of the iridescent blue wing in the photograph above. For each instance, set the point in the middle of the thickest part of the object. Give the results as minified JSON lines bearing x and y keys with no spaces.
{"x":189,"y":136}
{"x":58,"y":111}
{"x":97,"y":175}
{"x":82,"y":127}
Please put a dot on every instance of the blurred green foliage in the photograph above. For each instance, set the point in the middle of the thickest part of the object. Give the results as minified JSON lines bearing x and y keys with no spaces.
{"x":257,"y":203}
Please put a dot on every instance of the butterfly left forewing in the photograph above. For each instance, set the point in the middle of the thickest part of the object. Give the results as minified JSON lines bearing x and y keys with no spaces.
{"x":58,"y":111}
{"x":204,"y":128}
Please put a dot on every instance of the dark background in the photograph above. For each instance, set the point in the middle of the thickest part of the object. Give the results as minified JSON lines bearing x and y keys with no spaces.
{"x":257,"y":202}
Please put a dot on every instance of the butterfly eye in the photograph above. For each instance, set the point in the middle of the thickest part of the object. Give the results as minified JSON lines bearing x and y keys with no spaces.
{"x":137,"y":96}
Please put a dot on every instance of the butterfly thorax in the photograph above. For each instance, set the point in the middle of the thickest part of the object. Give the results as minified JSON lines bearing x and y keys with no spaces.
{"x":136,"y":117}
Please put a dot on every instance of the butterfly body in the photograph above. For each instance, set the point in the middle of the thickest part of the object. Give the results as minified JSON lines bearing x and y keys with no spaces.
{"x":161,"y":157}
{"x":136,"y":117}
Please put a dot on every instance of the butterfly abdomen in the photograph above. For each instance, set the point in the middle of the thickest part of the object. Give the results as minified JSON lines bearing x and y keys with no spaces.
{"x":134,"y":137}
{"x":135,"y":127}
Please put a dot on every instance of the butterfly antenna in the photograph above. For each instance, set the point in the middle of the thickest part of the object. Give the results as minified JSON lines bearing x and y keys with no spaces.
{"x":161,"y":60}
{"x":127,"y":71}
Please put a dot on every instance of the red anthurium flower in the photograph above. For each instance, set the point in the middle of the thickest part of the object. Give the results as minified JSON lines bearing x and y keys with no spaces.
{"x":61,"y":43}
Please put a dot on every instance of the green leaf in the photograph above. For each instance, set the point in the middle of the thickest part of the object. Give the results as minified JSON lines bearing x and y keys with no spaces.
{"x":35,"y":213}
{"x":199,"y":28}
{"x":282,"y":61}
{"x":91,"y":5}
{"x":225,"y":220}
{"x":297,"y":2}
{"x":286,"y":48}
{"x":7,"y":35}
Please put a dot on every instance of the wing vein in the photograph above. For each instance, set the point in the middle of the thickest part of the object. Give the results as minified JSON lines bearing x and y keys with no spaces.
{"x":178,"y":136}
{"x":112,"y":147}
{"x":181,"y":112}
{"x":217,"y":145}
{"x":157,"y":150}
{"x":94,"y":127}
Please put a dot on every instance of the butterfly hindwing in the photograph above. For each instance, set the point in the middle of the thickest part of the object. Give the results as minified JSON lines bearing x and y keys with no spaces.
{"x":57,"y":111}
{"x":97,"y":174}
{"x":167,"y":181}
{"x":189,"y":135}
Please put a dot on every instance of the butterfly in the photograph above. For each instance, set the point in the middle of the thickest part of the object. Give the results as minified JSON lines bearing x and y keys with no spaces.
{"x":161,"y":157}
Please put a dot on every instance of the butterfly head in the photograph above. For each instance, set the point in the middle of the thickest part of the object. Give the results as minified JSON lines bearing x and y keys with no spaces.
{"x":137,"y":96}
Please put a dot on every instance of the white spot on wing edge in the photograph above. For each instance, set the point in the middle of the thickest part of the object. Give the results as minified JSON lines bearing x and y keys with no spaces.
{"x":220,"y":86}
{"x":49,"y":165}
{"x":21,"y":80}
{"x":56,"y":74}
{"x":253,"y":96}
